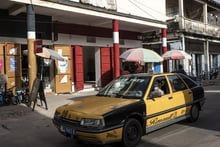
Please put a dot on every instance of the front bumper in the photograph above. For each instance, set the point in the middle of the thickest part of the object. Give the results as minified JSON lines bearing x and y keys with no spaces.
{"x":95,"y":136}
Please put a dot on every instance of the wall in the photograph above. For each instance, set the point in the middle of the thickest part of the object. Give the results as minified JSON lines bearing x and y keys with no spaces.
{"x":69,"y":39}
{"x":152,"y":9}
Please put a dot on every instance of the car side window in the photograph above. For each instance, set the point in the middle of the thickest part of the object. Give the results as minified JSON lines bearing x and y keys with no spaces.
{"x":159,"y":87}
{"x":189,"y":81}
{"x":177,"y":84}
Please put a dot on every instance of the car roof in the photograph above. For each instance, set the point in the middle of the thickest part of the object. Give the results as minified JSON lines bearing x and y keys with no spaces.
{"x":147,"y":74}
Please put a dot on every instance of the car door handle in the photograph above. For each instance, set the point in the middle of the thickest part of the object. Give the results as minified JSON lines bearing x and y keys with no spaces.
{"x":170,"y":97}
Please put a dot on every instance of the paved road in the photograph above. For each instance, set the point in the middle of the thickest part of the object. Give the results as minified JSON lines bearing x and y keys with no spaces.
{"x":19,"y":126}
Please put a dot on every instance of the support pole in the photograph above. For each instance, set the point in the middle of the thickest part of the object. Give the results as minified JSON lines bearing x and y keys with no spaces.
{"x":116,"y":49}
{"x":164,"y":48}
{"x":31,"y":36}
{"x":207,"y":63}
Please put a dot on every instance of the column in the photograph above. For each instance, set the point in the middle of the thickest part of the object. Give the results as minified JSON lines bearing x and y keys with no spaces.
{"x":181,"y":14}
{"x":31,"y":36}
{"x":185,"y":63}
{"x":164,"y":48}
{"x":206,"y":55}
{"x":116,"y":49}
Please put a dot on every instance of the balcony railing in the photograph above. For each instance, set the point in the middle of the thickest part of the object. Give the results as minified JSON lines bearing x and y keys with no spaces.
{"x":200,"y":28}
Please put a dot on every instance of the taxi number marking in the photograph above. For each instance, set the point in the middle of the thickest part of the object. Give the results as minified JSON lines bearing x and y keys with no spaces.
{"x":156,"y":120}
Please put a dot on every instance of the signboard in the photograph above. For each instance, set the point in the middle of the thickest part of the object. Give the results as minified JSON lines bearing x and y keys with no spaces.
{"x":38,"y":46}
{"x":1,"y":64}
{"x":63,"y":66}
{"x":13,"y":64}
{"x":107,"y":4}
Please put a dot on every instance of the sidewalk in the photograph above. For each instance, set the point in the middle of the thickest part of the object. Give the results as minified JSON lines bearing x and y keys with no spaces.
{"x":53,"y":101}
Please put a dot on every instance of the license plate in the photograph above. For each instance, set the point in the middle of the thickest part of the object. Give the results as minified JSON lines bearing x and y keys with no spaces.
{"x":68,"y":130}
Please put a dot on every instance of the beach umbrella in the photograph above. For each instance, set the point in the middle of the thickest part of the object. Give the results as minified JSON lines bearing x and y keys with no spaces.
{"x":176,"y":54}
{"x":50,"y":54}
{"x":141,"y":55}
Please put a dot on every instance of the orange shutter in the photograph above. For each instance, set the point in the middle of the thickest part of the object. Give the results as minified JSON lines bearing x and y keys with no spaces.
{"x":79,"y":72}
{"x":106,"y":65}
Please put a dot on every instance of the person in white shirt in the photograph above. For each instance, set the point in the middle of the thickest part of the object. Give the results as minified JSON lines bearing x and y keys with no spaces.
{"x":157,"y":90}
{"x":3,"y":80}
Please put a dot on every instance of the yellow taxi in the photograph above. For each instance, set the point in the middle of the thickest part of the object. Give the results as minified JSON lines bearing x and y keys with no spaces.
{"x":131,"y":106}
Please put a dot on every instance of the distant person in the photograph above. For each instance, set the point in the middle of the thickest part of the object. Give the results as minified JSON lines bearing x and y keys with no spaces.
{"x":157,"y":90}
{"x":3,"y":80}
{"x":181,"y":70}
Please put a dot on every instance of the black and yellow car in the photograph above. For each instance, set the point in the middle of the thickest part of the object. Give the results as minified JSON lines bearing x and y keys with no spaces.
{"x":129,"y":107}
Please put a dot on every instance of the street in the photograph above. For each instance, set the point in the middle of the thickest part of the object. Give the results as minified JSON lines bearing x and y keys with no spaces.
{"x":19,"y":126}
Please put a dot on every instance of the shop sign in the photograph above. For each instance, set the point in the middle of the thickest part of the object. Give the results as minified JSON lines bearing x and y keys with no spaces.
{"x":106,"y":4}
{"x":1,"y":64}
{"x":13,"y":64}
{"x":63,"y":66}
{"x":38,"y":46}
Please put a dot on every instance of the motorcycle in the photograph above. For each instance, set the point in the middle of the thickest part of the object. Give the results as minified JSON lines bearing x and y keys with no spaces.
{"x":9,"y":97}
{"x":19,"y":96}
{"x":1,"y":98}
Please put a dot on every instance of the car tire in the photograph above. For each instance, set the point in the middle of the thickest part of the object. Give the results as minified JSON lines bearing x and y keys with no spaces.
{"x":132,"y":133}
{"x":194,"y":113}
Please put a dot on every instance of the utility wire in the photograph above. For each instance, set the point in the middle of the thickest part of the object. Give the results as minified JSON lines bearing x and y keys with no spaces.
{"x":143,"y":9}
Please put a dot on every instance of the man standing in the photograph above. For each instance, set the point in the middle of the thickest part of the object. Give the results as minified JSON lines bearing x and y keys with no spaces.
{"x":3,"y":80}
{"x":181,"y":70}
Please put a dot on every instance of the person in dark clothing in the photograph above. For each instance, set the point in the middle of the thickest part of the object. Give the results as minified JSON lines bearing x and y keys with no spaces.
{"x":181,"y":70}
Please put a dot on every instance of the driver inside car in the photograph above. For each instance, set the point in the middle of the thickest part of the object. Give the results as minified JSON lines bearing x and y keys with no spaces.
{"x":157,"y":90}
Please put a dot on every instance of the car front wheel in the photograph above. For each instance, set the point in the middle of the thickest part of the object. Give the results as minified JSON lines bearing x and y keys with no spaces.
{"x":132,"y":133}
{"x":194,"y":113}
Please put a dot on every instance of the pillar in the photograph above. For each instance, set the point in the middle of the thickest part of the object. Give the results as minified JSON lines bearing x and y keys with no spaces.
{"x":31,"y":36}
{"x":116,"y":49}
{"x":164,"y":48}
{"x":181,"y":14}
{"x":206,"y":55}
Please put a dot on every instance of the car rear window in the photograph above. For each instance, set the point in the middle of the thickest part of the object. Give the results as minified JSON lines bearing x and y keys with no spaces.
{"x":188,"y":81}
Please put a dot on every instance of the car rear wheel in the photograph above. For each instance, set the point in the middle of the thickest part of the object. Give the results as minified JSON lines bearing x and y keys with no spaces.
{"x":132,"y":133}
{"x":194,"y":113}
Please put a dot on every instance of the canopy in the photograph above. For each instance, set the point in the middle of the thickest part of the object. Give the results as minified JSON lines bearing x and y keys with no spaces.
{"x":141,"y":55}
{"x":50,"y":54}
{"x":176,"y":54}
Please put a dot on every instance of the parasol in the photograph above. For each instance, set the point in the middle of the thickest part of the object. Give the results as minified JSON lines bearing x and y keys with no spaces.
{"x":176,"y":54}
{"x":50,"y":54}
{"x":141,"y":55}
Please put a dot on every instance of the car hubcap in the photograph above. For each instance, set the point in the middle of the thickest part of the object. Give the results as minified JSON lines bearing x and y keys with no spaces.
{"x":132,"y":133}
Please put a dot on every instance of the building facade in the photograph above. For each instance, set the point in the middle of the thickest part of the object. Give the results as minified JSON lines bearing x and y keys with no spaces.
{"x":90,"y":34}
{"x":193,"y":26}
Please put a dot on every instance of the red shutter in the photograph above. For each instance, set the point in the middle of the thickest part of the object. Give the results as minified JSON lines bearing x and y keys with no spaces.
{"x":106,"y":65}
{"x":78,"y":64}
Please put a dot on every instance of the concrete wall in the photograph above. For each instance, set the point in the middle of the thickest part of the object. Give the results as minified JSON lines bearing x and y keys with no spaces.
{"x":69,"y":39}
{"x":152,"y":9}
{"x":77,"y":40}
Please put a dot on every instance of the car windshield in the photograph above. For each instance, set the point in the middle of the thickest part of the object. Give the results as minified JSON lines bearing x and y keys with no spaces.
{"x":131,"y":87}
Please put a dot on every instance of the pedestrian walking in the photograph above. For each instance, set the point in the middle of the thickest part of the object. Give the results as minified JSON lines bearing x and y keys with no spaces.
{"x":181,"y":70}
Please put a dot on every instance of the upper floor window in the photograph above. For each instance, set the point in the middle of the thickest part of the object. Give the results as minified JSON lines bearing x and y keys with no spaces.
{"x":213,"y":16}
{"x":172,"y":8}
{"x":193,"y":10}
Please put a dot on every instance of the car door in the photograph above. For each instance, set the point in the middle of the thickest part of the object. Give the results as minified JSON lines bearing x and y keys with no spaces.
{"x":158,"y":108}
{"x":182,"y":95}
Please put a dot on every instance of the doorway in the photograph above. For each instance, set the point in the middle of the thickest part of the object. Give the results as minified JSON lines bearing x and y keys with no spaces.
{"x":89,"y":66}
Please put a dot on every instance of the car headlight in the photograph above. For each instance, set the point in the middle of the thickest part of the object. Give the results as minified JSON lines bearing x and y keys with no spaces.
{"x":94,"y":123}
{"x":57,"y":115}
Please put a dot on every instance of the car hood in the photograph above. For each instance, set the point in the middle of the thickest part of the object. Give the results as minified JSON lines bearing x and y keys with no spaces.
{"x":93,"y":107}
